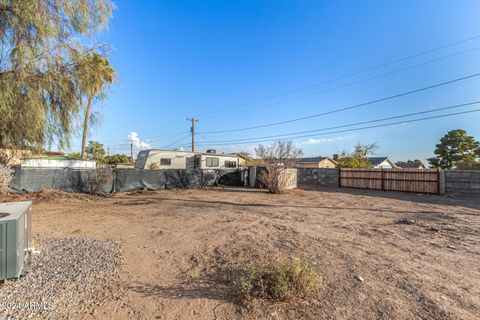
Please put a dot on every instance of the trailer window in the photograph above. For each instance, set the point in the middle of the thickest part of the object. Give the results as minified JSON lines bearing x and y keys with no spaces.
{"x":211,"y":162}
{"x":198,"y":161}
{"x":165,"y":162}
{"x":230,"y":164}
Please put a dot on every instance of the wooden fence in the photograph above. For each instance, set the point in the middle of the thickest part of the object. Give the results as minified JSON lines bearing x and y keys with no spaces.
{"x":406,"y":180}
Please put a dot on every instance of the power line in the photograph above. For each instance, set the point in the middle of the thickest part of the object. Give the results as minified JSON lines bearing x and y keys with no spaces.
{"x":348,"y":108}
{"x":361,"y":128}
{"x":343,"y":85}
{"x":147,"y":139}
{"x":176,"y":142}
{"x":347,"y":75}
{"x":351,"y":124}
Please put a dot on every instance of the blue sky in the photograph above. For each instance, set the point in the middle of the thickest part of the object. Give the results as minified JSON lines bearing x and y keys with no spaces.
{"x":177,"y":59}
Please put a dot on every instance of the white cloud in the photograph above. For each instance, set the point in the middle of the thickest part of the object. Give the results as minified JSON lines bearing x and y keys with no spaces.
{"x":326,"y":140}
{"x":312,"y":141}
{"x":319,"y":141}
{"x":137,"y":143}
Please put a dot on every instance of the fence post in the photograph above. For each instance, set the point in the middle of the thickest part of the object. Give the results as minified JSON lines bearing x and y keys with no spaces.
{"x":383,"y":186}
{"x":441,"y":181}
{"x":339,"y":177}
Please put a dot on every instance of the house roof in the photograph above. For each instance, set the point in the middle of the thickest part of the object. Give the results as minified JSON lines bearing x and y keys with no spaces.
{"x":194,"y":152}
{"x":375,"y":161}
{"x":243,"y":156}
{"x":314,"y":159}
{"x":407,"y":165}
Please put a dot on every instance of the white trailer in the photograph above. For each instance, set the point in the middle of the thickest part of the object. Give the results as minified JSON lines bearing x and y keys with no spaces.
{"x":211,"y":161}
{"x":173,"y":159}
{"x":165,"y":159}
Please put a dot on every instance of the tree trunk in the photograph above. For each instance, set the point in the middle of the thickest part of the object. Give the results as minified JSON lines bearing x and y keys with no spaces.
{"x":85,"y":125}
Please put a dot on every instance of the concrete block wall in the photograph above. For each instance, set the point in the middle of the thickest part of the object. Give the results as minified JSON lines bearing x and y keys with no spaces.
{"x":290,"y":176}
{"x":318,"y":176}
{"x":462,"y":182}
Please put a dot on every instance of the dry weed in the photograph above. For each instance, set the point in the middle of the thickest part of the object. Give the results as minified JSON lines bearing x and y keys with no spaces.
{"x":280,"y":280}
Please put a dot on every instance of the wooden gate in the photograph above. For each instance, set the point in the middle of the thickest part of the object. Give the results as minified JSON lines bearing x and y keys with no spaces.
{"x":406,"y":180}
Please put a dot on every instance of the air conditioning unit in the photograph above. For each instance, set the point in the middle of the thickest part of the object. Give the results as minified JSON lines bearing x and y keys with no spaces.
{"x":15,"y":237}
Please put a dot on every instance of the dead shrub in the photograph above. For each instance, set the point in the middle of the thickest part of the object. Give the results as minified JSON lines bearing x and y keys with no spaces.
{"x":49,"y":194}
{"x":5,"y":178}
{"x":281,"y":280}
{"x":277,"y":158}
{"x":6,"y":159}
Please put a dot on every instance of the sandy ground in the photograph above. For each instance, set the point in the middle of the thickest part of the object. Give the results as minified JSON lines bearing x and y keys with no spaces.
{"x":179,"y":246}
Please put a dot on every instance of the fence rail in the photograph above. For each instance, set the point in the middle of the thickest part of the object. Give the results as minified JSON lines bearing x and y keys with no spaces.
{"x":417,"y":181}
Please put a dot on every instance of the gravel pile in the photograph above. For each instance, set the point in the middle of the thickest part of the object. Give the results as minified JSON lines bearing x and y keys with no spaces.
{"x":65,"y":280}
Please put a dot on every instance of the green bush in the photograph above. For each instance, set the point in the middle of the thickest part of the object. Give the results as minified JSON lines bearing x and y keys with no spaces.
{"x":73,"y":156}
{"x":281,"y":280}
{"x":117,"y":158}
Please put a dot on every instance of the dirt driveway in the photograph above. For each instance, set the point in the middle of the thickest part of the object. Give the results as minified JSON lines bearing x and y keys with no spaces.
{"x":419,"y":256}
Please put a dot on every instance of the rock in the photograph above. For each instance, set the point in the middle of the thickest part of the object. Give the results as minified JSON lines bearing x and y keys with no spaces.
{"x":406,"y":221}
{"x":451,"y":247}
{"x":72,"y":272}
{"x":359,"y":278}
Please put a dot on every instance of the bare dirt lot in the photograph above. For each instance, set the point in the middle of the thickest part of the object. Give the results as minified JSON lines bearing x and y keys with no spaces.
{"x":419,"y":256}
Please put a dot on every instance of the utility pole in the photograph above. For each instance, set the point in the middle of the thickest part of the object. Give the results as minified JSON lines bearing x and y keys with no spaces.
{"x":131,"y":149}
{"x":192,"y":119}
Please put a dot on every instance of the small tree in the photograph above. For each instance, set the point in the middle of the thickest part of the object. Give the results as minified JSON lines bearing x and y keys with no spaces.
{"x":118,"y":158}
{"x":277,"y":158}
{"x":456,"y":147}
{"x":468,"y":165}
{"x":358,"y":158}
{"x":96,"y":75}
{"x":416,"y":161}
{"x":95,"y":150}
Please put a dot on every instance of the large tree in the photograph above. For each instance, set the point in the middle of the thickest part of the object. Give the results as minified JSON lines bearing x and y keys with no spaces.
{"x":456,"y":147}
{"x":40,"y":96}
{"x":95,"y":75}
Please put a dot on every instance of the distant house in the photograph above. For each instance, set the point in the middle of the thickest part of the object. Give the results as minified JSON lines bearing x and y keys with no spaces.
{"x":381,"y":162}
{"x":316,"y":162}
{"x":17,"y":155}
{"x":246,"y":161}
{"x":58,"y":162}
{"x":411,"y":165}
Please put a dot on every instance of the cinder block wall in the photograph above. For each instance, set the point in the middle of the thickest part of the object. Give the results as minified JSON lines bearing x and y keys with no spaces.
{"x":318,"y":176}
{"x":462,"y":182}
